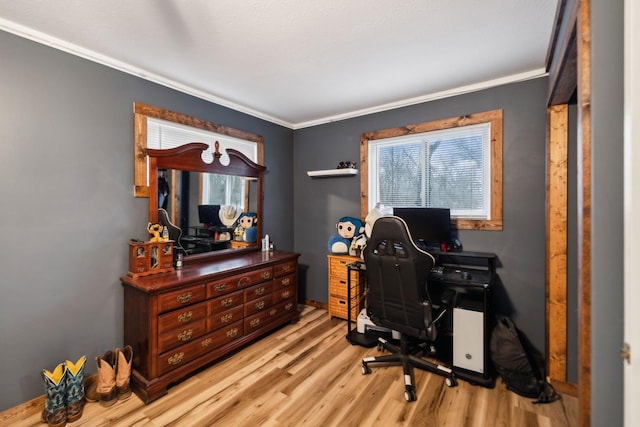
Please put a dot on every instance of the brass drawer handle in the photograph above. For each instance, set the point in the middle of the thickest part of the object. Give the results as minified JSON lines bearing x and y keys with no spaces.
{"x":227,"y":302}
{"x":273,"y":312}
{"x":220,"y":287}
{"x":285,"y":294}
{"x":176,"y":358}
{"x":185,"y":317}
{"x":232,"y":333}
{"x":259,"y":305}
{"x":285,"y":282}
{"x":254,"y":322}
{"x":226,"y":318}
{"x":265,"y":274}
{"x":185,"y":335}
{"x":260,"y":291}
{"x":184,"y":298}
{"x":286,"y":268}
{"x":206,"y":342}
{"x":289,"y":306}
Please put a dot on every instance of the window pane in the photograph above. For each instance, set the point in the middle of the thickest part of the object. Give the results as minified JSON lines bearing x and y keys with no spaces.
{"x":223,"y":190}
{"x":446,"y":168}
{"x":456,"y":173}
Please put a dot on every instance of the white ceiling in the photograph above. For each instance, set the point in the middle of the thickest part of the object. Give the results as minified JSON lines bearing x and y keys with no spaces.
{"x":301,"y":62}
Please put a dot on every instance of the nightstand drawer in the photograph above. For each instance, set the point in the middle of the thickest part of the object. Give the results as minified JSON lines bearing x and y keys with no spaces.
{"x":338,"y":267}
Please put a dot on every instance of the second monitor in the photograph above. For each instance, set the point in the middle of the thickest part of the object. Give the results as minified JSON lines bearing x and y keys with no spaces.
{"x":430,"y":227}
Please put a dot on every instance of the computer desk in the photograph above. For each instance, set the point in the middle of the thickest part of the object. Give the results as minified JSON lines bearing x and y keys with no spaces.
{"x":464,"y":334}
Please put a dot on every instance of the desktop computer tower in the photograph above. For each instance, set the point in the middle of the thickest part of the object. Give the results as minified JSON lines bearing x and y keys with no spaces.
{"x":468,"y":346}
{"x":462,"y":283}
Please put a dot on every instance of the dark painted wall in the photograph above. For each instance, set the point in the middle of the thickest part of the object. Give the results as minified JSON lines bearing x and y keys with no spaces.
{"x":66,"y":180}
{"x":520,"y":246}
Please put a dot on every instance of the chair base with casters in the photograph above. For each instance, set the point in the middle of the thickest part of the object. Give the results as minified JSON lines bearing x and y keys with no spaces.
{"x":402,"y":356}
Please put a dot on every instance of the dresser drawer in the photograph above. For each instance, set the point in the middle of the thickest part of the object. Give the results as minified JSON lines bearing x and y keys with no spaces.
{"x":228,"y":284}
{"x":225,"y":302}
{"x":285,"y":268}
{"x":288,"y":281}
{"x":224,"y":318}
{"x":181,"y":336}
{"x":254,"y":322}
{"x":181,"y":317}
{"x":181,"y":298}
{"x":258,"y":291}
{"x":258,"y":304}
{"x":283,"y":294}
{"x":177,"y":357}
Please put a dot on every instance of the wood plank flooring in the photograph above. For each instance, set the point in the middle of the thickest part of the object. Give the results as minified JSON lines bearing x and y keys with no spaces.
{"x":307,"y":374}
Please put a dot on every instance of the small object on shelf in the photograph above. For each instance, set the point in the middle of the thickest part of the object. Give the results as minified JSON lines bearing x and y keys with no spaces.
{"x":332,"y":172}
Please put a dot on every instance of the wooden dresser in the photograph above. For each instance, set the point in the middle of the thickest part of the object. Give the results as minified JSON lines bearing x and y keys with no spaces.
{"x":181,"y":321}
{"x":337,"y":275}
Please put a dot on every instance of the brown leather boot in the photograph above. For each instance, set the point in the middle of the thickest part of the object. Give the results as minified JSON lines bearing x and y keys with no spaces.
{"x":124,"y":357}
{"x":104,"y":389}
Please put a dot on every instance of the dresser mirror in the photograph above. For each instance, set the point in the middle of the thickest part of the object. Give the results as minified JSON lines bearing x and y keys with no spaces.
{"x":193,"y":190}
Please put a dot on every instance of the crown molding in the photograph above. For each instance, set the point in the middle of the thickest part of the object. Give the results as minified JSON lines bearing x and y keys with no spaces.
{"x":48,"y":40}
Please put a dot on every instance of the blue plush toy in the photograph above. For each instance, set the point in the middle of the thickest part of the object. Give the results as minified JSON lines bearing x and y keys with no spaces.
{"x":248,"y":221}
{"x":348,"y":227}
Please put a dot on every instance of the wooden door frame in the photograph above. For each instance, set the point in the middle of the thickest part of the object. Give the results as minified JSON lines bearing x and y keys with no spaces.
{"x":568,"y":75}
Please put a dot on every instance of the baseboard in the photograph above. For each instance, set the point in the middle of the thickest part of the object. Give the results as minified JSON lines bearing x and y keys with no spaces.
{"x":317,"y":304}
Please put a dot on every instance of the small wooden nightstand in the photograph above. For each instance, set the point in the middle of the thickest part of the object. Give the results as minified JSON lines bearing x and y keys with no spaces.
{"x":337,"y":280}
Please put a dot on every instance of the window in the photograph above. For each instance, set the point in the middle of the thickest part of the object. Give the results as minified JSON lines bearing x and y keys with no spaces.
{"x":454,"y":163}
{"x":215,"y":189}
{"x":158,"y":128}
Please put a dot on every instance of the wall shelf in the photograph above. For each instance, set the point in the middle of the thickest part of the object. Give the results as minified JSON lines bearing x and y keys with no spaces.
{"x":332,"y":173}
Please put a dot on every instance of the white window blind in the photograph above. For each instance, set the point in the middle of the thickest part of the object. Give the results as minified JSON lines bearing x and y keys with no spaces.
{"x":445,"y":168}
{"x":216,"y":188}
{"x":162,"y":134}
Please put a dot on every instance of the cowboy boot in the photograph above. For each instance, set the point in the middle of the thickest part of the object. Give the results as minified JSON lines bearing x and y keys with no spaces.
{"x":104,"y":389}
{"x":75,"y":389}
{"x":54,"y":412}
{"x":124,"y":356}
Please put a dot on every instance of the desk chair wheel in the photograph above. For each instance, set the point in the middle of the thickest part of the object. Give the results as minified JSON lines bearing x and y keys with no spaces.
{"x":410,"y":394}
{"x":366,"y":370}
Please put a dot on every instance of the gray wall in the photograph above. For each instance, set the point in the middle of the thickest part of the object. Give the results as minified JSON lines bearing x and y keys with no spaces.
{"x":66,"y":180}
{"x":520,"y":246}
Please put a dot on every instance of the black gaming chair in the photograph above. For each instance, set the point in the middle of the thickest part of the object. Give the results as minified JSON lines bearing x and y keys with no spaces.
{"x":398,"y":299}
{"x":175,"y":232}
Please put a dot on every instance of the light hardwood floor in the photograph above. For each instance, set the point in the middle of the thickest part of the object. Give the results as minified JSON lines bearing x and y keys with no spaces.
{"x":307,"y":374}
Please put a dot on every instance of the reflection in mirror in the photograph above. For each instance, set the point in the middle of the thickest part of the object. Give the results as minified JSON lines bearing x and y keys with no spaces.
{"x":195,"y":193}
{"x":206,"y":207}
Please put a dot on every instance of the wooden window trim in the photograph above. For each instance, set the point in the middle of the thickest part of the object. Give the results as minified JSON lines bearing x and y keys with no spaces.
{"x":142,"y":111}
{"x":494,"y":117}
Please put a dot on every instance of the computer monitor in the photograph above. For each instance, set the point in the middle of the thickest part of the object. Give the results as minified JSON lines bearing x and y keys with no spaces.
{"x":430,"y":227}
{"x":209,"y":215}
